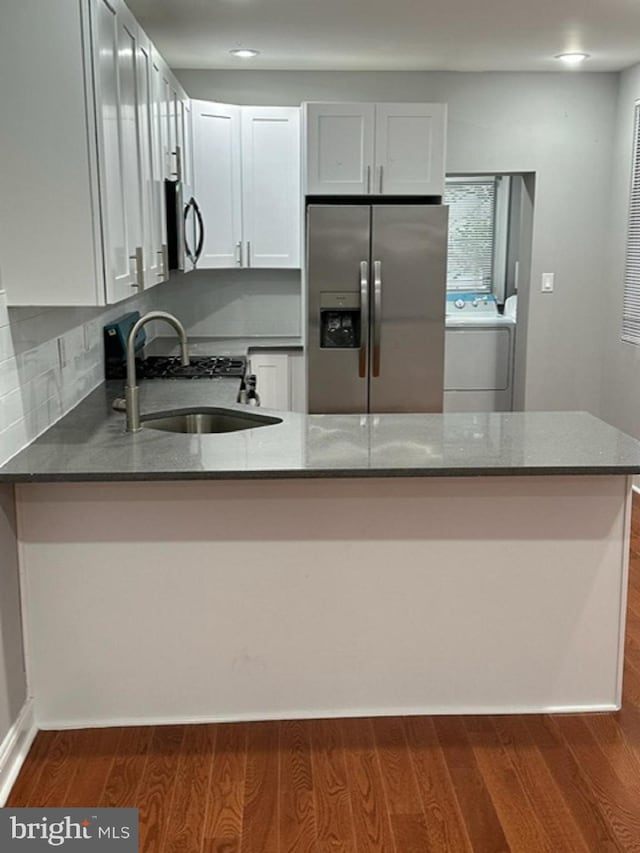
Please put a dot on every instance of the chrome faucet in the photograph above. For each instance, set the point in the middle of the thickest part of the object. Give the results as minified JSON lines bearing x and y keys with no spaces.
{"x":131,"y":391}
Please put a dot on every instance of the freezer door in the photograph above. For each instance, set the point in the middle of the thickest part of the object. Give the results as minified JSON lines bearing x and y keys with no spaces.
{"x":338,"y":269}
{"x":409,"y":260}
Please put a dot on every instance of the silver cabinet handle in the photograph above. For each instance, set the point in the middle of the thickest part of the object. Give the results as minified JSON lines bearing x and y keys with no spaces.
{"x":239,"y":253}
{"x":377,"y":315}
{"x":248,"y":253}
{"x":138,"y":258}
{"x":163,"y":253}
{"x":364,"y":319}
{"x":368,"y":179}
{"x":381,"y":178}
{"x":178,"y":155}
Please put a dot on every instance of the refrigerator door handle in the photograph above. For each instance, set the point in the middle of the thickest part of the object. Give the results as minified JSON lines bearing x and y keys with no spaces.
{"x":364,"y":318}
{"x":377,"y":315}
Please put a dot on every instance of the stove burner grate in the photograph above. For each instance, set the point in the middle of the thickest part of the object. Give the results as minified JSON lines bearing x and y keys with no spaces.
{"x":169,"y":367}
{"x":201,"y":367}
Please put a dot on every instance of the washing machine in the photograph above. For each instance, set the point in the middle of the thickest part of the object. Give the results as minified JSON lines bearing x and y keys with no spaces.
{"x":479,"y":351}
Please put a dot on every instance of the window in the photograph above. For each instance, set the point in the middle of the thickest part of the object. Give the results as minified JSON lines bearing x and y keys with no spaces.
{"x":479,"y":228}
{"x":472,"y":215}
{"x":631,"y":303}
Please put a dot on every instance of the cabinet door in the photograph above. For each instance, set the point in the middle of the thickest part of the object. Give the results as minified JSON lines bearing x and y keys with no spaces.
{"x":115,"y":67}
{"x":339,"y":148}
{"x":409,"y":149}
{"x":130,"y":137}
{"x":159,"y":149}
{"x":216,"y":162}
{"x":185,"y":136}
{"x":271,"y":186}
{"x":184,"y":143}
{"x":49,"y":222}
{"x":151,"y":200}
{"x":272,"y":374}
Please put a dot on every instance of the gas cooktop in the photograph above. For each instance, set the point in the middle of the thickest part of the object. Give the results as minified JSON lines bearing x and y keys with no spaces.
{"x":169,"y":367}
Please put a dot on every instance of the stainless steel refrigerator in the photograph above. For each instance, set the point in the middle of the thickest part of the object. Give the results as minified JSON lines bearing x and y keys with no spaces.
{"x":376,"y":279}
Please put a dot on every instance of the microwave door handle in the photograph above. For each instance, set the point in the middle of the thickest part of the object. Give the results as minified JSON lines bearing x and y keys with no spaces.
{"x":187,"y":248}
{"x":364,"y":319}
{"x":377,"y":315}
{"x":200,"y":219}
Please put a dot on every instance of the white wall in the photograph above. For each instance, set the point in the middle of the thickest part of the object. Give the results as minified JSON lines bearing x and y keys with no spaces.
{"x":559,"y":126}
{"x":621,"y":373}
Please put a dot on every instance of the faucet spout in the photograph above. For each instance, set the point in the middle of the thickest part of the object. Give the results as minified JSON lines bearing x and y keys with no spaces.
{"x":131,"y":391}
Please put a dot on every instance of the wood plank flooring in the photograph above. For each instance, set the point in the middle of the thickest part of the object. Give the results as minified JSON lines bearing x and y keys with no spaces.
{"x":525,"y":784}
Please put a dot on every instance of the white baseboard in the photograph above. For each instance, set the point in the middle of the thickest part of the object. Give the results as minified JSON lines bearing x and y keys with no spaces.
{"x":14,"y":748}
{"x":325,"y":713}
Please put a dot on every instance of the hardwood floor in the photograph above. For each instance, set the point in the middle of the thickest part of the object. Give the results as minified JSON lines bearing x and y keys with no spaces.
{"x":395,"y":785}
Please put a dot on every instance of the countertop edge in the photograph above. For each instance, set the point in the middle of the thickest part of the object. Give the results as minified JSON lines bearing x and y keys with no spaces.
{"x":321,"y":474}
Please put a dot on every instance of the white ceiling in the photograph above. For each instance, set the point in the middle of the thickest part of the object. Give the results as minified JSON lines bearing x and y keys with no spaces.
{"x":367,"y":35}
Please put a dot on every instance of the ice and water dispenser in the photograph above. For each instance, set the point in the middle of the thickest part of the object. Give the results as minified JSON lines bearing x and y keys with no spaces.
{"x":340,"y":320}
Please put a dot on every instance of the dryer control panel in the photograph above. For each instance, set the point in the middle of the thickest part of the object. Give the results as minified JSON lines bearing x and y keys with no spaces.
{"x":472,"y":303}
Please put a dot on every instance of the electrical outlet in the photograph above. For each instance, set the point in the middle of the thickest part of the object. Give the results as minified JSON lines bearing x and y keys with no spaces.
{"x":548,"y":282}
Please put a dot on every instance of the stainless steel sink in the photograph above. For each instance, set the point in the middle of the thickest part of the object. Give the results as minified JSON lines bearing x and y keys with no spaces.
{"x":207,"y":420}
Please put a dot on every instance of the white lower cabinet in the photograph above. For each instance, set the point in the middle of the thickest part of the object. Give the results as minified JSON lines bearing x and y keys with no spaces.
{"x":272,"y":374}
{"x":247,"y":184}
{"x":82,"y":206}
{"x":280,"y":379}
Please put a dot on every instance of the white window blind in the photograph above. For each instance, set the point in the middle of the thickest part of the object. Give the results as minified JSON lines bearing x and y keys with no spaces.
{"x":631,"y":303}
{"x":472,"y":205}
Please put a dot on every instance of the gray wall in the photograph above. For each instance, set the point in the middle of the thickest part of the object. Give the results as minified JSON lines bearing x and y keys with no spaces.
{"x":621,"y":373}
{"x":559,"y":126}
{"x":235,"y":303}
{"x":13,"y":685}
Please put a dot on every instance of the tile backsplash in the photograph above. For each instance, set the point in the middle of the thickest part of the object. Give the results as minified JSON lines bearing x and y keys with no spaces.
{"x":50,"y":358}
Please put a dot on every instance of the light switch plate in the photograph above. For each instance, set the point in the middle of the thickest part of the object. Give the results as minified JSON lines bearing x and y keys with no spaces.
{"x":548,"y":282}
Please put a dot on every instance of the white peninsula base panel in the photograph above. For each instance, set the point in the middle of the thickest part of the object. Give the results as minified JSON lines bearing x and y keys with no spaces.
{"x":247,"y":600}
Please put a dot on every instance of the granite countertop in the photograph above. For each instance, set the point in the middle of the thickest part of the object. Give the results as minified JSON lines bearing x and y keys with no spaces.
{"x":90,"y":443}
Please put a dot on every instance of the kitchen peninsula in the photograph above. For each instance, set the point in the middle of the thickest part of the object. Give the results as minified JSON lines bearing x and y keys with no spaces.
{"x":326,"y":565}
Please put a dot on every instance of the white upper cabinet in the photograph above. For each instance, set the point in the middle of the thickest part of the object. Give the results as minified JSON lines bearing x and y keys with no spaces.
{"x":83,"y":164}
{"x":339,"y":148}
{"x":117,"y":118}
{"x":50,"y":249}
{"x":410,"y":149}
{"x":185,"y":137}
{"x":216,"y":149}
{"x":271,"y":186}
{"x":247,"y":183}
{"x":388,"y":149}
{"x":155,"y":231}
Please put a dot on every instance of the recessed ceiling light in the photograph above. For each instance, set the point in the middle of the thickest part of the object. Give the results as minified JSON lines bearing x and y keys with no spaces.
{"x":572,"y":59}
{"x":244,"y":52}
